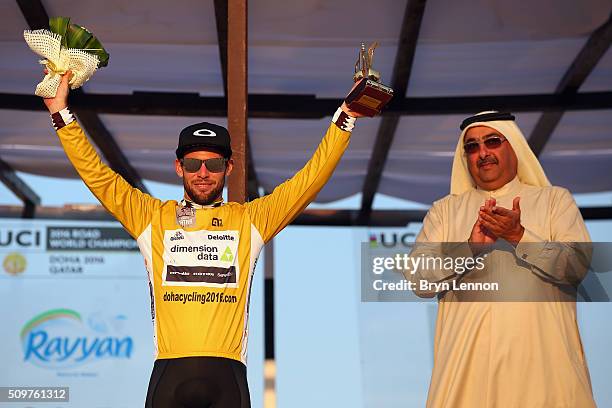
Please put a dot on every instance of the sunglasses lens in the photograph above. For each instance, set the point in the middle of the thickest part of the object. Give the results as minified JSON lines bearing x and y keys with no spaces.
{"x":471,"y":147}
{"x":192,"y":165}
{"x":216,"y":165}
{"x":493,"y":142}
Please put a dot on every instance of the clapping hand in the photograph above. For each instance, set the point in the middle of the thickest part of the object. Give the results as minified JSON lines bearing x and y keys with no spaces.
{"x":480,"y":237}
{"x":502,"y":222}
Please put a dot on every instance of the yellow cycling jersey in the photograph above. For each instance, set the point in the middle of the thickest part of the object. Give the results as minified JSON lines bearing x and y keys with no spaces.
{"x":200,"y":275}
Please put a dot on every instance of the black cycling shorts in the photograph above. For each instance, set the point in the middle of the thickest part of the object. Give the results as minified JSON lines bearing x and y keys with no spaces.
{"x":198,"y":382}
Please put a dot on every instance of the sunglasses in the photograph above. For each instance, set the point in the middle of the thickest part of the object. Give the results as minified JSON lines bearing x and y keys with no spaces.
{"x":492,"y":142}
{"x":215,"y":165}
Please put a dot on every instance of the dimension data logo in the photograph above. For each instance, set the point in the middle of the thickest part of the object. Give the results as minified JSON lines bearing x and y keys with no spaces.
{"x":60,"y":338}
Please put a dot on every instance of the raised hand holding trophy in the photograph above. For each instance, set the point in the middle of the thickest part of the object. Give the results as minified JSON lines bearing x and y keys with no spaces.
{"x":369,"y":96}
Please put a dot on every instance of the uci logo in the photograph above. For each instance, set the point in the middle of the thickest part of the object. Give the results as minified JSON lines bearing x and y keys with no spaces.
{"x":20,"y":239}
{"x":204,"y":132}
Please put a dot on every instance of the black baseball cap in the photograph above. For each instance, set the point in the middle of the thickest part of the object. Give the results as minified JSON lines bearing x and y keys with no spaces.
{"x":204,"y":136}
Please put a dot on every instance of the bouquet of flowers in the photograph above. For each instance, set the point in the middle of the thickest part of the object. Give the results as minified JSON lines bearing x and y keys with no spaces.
{"x":65,"y":47}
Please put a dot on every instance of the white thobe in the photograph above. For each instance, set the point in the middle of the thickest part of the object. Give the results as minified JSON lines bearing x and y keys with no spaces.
{"x":511,"y":354}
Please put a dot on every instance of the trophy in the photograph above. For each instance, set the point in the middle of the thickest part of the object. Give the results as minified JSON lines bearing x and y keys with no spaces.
{"x":369,"y":96}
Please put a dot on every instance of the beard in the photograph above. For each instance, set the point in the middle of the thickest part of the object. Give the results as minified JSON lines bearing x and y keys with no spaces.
{"x":203,"y":198}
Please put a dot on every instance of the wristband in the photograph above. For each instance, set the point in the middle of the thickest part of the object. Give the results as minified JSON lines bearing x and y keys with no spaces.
{"x":62,"y":118}
{"x":343,"y":121}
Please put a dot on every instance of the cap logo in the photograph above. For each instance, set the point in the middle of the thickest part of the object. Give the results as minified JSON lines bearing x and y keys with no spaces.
{"x":204,"y":132}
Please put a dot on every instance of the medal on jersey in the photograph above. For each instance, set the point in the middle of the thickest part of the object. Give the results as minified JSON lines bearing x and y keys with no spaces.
{"x":186,"y":211}
{"x":185,"y":216}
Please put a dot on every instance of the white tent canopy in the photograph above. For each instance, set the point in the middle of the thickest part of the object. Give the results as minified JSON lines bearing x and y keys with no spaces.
{"x":465,"y":48}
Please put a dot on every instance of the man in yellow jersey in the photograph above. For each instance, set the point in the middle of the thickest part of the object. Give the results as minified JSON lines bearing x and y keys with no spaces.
{"x":200,"y":253}
{"x":522,"y":353}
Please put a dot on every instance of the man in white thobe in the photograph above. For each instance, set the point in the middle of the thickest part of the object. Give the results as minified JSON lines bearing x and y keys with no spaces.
{"x":519,"y":354}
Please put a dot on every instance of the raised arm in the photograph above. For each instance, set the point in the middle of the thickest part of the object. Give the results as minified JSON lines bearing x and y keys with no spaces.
{"x":271,"y":213}
{"x":131,"y":207}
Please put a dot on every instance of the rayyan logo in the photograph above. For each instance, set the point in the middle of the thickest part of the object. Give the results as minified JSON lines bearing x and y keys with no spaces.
{"x":392,"y":240}
{"x":14,"y":263}
{"x":205,"y":133}
{"x":60,"y":338}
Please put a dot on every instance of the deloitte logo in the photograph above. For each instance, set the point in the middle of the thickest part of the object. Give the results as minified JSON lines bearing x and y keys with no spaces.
{"x":60,"y":338}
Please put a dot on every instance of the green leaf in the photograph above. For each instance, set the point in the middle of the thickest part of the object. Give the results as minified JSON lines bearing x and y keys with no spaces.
{"x":94,"y":46}
{"x":59,"y":25}
{"x":77,"y":36}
